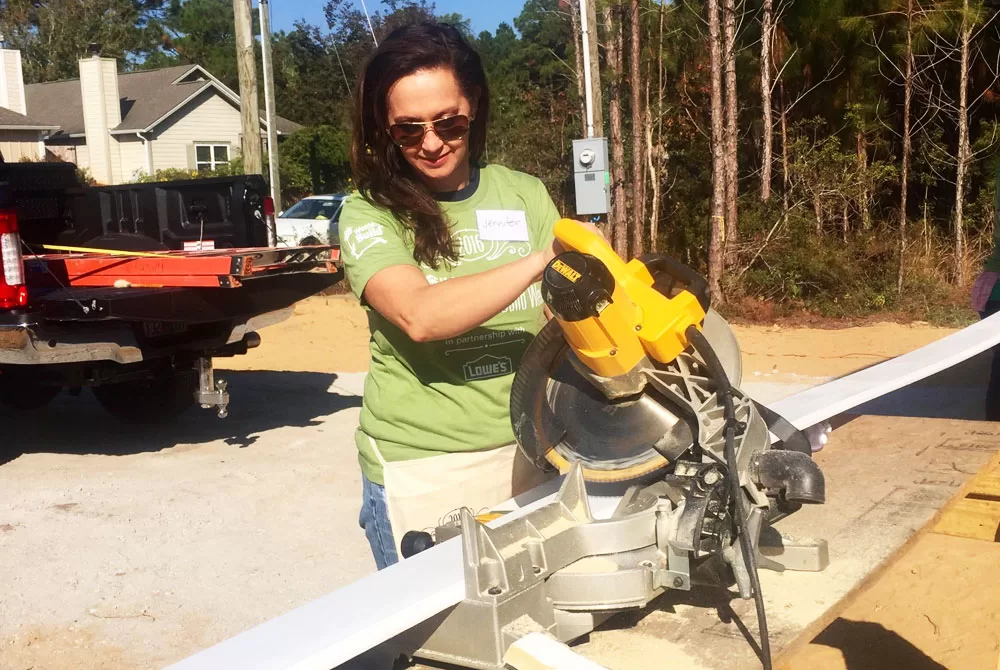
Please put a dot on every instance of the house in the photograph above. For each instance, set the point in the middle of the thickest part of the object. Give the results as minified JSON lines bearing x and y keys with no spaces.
{"x":21,"y":137}
{"x":120,"y":126}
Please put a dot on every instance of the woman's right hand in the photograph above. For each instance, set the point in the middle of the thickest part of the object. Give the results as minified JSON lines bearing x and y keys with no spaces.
{"x":555,"y":248}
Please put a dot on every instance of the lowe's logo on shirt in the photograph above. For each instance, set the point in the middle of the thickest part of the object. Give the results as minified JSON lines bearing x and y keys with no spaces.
{"x":487,"y":367}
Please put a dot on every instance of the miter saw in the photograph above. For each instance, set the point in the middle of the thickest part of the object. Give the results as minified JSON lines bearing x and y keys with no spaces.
{"x":632,"y":384}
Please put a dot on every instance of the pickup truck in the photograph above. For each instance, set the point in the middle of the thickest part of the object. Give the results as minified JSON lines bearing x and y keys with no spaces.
{"x":144,"y":349}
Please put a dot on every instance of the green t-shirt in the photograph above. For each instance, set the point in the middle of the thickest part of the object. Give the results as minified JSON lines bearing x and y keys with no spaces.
{"x":427,"y":399}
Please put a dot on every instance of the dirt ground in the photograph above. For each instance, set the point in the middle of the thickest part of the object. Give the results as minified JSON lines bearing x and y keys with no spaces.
{"x":125,"y":548}
{"x":769,"y":352}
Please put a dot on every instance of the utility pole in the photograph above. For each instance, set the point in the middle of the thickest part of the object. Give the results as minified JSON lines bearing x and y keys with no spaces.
{"x":249,"y":106}
{"x":588,"y":22}
{"x":587,"y":81}
{"x":264,"y":7}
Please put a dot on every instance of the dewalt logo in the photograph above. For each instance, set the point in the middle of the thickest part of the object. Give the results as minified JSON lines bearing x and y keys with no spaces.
{"x":566,"y":271}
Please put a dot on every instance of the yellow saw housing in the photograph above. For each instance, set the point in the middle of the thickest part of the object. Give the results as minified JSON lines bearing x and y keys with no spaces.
{"x":620,"y":328}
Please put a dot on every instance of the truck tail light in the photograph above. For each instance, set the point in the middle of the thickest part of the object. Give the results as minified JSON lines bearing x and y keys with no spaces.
{"x":272,"y":233}
{"x":13,"y":292}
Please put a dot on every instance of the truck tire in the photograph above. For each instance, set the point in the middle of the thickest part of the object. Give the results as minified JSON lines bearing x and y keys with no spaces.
{"x":151,"y":400}
{"x":312,"y":241}
{"x":26,"y":396}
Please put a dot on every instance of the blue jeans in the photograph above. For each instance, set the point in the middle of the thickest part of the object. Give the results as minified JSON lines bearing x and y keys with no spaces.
{"x":375,"y":521}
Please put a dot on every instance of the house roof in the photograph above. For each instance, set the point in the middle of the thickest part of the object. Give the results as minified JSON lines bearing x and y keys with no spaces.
{"x":148,"y":97}
{"x":10,"y":120}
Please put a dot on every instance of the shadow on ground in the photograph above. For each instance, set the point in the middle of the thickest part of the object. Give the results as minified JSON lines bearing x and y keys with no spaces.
{"x":870,"y":646}
{"x":259,"y":401}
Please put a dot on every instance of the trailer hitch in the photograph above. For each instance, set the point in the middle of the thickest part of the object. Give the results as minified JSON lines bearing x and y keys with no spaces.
{"x":211,"y":392}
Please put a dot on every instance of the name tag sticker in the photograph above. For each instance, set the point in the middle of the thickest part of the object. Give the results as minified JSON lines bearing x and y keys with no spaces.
{"x":502,"y":225}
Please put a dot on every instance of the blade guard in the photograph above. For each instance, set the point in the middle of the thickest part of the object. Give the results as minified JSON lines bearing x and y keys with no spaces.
{"x":638,"y":321}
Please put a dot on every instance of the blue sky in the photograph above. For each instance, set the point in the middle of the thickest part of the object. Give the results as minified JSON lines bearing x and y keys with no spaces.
{"x":485,"y":14}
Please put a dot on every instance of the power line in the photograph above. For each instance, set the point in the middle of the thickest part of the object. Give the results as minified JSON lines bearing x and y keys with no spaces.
{"x":365,"y":7}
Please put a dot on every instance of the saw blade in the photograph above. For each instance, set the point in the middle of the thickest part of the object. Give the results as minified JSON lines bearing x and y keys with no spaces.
{"x":560,"y":417}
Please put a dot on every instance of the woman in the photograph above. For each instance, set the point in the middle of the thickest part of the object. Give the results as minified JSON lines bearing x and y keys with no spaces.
{"x":444,"y":254}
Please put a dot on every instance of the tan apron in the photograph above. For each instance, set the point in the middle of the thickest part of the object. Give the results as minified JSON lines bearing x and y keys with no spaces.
{"x":423,"y":492}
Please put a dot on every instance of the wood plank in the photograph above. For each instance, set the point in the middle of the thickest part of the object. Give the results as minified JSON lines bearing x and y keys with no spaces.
{"x":974,"y":519}
{"x":936,"y":608}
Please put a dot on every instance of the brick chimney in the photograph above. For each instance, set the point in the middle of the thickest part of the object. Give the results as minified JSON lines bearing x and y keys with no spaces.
{"x":11,"y":81}
{"x":102,"y":113}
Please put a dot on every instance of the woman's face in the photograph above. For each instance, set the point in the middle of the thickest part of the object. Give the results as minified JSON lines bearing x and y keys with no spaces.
{"x":428,"y":95}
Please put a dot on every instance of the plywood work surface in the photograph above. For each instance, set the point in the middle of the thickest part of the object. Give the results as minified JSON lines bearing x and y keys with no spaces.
{"x":936,"y":607}
{"x":887,"y":478}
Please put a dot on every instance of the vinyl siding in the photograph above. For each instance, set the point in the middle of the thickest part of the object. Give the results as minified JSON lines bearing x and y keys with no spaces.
{"x":208,"y":119}
{"x":133,"y":156}
{"x":16,"y":145}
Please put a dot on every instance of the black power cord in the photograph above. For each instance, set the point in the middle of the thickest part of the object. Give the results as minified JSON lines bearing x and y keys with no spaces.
{"x":725,"y":394}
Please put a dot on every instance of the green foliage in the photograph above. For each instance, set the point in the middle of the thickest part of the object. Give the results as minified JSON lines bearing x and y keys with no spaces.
{"x":315,"y":160}
{"x":177,"y":174}
{"x":200,"y":32}
{"x":53,"y":35}
{"x":827,"y":242}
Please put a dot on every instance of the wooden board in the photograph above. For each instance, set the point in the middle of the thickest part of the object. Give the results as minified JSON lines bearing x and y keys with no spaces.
{"x":887,"y":478}
{"x":917,"y":612}
{"x":975,"y":513}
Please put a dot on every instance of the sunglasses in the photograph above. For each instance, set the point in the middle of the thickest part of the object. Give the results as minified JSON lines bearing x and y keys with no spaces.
{"x":411,"y":134}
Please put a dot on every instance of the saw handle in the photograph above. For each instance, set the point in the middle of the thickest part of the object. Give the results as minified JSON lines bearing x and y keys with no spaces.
{"x":660,"y":264}
{"x":574,"y":236}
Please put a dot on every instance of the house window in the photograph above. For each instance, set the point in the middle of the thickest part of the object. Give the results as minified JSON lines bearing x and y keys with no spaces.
{"x":210,"y":157}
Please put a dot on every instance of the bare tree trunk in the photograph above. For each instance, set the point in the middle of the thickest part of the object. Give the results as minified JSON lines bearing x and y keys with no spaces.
{"x":654,"y":173}
{"x":649,"y":208}
{"x":654,"y":219}
{"x":765,"y":100}
{"x":866,"y":217}
{"x":613,"y":28}
{"x":963,"y":146}
{"x":785,"y":179}
{"x":595,"y":70}
{"x":905,"y":170}
{"x":845,"y":221}
{"x":731,"y":132}
{"x":716,"y":226}
{"x":249,"y":104}
{"x":574,"y":12}
{"x":818,"y":211}
{"x":638,"y":182}
{"x":927,"y":230}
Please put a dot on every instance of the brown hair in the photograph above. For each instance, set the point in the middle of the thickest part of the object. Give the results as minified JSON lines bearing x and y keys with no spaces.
{"x":381,"y":173}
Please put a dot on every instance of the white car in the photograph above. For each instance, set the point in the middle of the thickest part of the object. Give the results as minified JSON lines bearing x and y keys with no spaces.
{"x":312,"y":220}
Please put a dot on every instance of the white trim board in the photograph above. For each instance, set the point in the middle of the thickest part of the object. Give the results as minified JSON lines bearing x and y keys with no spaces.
{"x":338,"y":627}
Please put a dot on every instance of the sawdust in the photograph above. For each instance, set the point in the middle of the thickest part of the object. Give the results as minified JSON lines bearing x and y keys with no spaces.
{"x":521,"y":626}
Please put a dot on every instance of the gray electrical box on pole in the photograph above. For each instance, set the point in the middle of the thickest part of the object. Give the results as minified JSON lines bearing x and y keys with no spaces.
{"x":591,"y":178}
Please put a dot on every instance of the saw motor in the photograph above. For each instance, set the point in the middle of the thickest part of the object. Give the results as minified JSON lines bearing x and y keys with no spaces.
{"x":635,"y":380}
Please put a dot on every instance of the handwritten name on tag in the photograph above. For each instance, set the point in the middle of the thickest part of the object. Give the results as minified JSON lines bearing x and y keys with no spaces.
{"x":502,"y":225}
